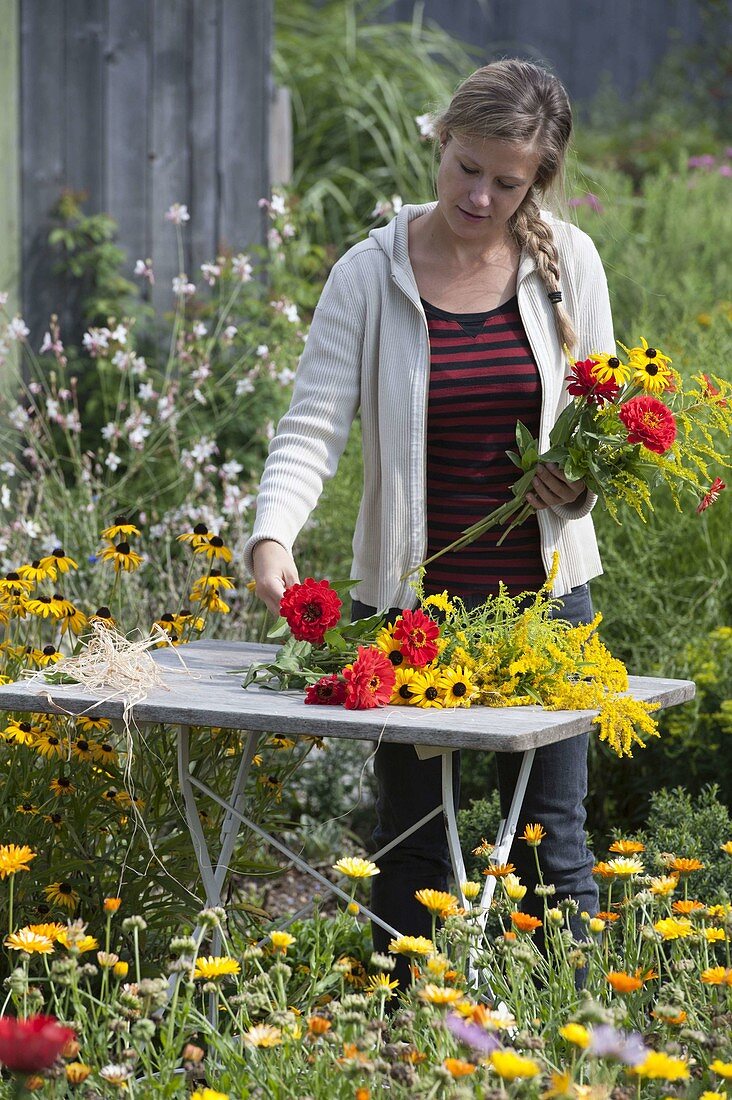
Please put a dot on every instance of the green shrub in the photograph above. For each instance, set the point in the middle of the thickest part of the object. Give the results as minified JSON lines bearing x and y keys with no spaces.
{"x":692,"y":827}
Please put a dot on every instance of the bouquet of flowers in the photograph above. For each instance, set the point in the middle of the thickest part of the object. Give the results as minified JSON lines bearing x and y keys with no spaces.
{"x":622,"y":439}
{"x":507,"y":652}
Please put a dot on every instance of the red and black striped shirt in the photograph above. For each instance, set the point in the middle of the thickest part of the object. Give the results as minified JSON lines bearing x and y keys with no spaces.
{"x":483,"y":379}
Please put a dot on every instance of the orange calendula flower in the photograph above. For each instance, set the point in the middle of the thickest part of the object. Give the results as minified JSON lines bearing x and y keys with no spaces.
{"x":671,"y":1017}
{"x":499,"y":870}
{"x":717,"y":975}
{"x":524,"y":922}
{"x":533,"y":835}
{"x":604,"y":870}
{"x":684,"y":866}
{"x":456,"y":1067}
{"x":726,"y":847}
{"x":318,"y":1025}
{"x":14,"y":858}
{"x":438,"y":902}
{"x":685,"y":907}
{"x":627,"y":847}
{"x":111,"y":905}
{"x":608,"y":917}
{"x":623,"y":982}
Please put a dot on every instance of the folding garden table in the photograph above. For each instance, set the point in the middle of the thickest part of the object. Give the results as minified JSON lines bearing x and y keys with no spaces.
{"x":209,"y":695}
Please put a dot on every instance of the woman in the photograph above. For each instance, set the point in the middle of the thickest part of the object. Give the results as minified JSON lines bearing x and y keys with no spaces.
{"x":446,"y":327}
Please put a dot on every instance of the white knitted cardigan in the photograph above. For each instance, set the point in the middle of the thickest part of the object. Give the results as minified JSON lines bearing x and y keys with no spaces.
{"x":368,"y":350}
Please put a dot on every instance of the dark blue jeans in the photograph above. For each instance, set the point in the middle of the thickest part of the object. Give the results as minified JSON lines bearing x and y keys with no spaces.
{"x":408,"y":788}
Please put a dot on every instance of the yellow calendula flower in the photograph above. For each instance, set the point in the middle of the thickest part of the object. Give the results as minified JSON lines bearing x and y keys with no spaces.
{"x":511,"y":1066}
{"x":122,"y":556}
{"x":438,"y":901}
{"x":425,"y":690}
{"x":576,"y":1034}
{"x":28,"y":941}
{"x":121,"y":969}
{"x":724,"y":1069}
{"x":14,"y":858}
{"x":356,"y":867}
{"x":717,"y":975}
{"x":514,"y":889}
{"x":533,"y":835}
{"x":471,"y":890}
{"x":209,"y":1094}
{"x":382,"y":985}
{"x":263,"y":1035}
{"x":78,"y":942}
{"x":77,"y":1072}
{"x":411,"y":945}
{"x":714,"y":935}
{"x":215,"y":966}
{"x":456,"y":685}
{"x":52,"y":929}
{"x":726,"y":847}
{"x":281,"y":941}
{"x":440,"y":995}
{"x":660,"y":1066}
{"x":626,"y":866}
{"x":663,"y":885}
{"x":608,"y":368}
{"x":674,"y":928}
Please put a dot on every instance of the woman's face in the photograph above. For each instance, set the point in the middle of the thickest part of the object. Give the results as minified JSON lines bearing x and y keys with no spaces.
{"x":481,"y":184}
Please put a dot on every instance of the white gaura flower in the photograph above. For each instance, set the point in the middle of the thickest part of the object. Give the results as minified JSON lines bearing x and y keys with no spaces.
{"x":143,"y":268}
{"x":181,"y":287}
{"x":112,"y":461}
{"x":17,"y":328}
{"x":242,"y":268}
{"x":177,"y":213}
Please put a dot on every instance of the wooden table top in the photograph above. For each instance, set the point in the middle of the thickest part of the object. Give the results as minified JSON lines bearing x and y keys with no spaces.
{"x":208,"y":694}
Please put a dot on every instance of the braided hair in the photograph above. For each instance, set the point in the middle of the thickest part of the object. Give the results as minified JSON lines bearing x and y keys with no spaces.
{"x":521,"y":102}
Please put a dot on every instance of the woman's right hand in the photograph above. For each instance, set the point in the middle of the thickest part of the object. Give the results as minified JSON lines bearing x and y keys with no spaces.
{"x":274,"y":571}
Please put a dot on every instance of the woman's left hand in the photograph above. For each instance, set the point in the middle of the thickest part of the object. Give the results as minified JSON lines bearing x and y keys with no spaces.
{"x":550,"y":487}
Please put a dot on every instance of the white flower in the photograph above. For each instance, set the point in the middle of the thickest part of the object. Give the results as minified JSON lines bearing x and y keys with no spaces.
{"x":288,"y":230}
{"x":201,"y":373}
{"x":382,"y":207}
{"x":138,"y":429}
{"x":8,"y":468}
{"x":110,"y":431}
{"x":210,"y":273}
{"x":426,"y":126}
{"x":3,"y":298}
{"x":181,"y":287}
{"x":18,"y":417}
{"x":230,"y":469}
{"x":17,"y":328}
{"x":96,"y":340}
{"x":277,"y":203}
{"x":27,"y":527}
{"x":229,"y":333}
{"x":145,"y":392}
{"x":262,"y":351}
{"x":287,"y":309}
{"x":199,"y":397}
{"x":396,"y":203}
{"x":274,"y":238}
{"x":143,"y":268}
{"x":244,"y":385}
{"x":119,"y":334}
{"x":121,"y":360}
{"x":166,"y":408}
{"x":139,"y":366}
{"x":114,"y":1074}
{"x":241,"y":267}
{"x":199,"y":329}
{"x":47,"y":344}
{"x":177,"y":213}
{"x":70,"y":422}
{"x":203,"y":450}
{"x":52,"y":408}
{"x":113,"y":461}
{"x":5,"y":497}
{"x":285,"y":376}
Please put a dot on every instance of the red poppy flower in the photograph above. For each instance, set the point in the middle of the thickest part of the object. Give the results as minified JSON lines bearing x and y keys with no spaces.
{"x":310,"y":608}
{"x":369,"y":680}
{"x":712,"y":495}
{"x":583,"y":382}
{"x":27,"y":1046}
{"x":649,"y":422}
{"x":416,"y":633}
{"x":329,"y":690}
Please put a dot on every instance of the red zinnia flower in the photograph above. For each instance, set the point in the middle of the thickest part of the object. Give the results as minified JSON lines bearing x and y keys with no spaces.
{"x":583,"y":382}
{"x":417,"y":633}
{"x":369,"y":680}
{"x":329,"y":690}
{"x":649,"y":422}
{"x":711,"y":495}
{"x":27,"y":1046}
{"x":310,"y":608}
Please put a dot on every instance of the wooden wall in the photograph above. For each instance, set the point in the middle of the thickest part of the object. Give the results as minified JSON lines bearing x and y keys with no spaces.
{"x":142,"y":103}
{"x":580,"y":39}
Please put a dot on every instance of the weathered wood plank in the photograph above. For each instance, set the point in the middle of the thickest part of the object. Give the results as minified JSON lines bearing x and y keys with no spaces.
{"x":127,"y":124}
{"x":9,"y":155}
{"x":203,"y":84}
{"x":83,"y":96}
{"x":207,"y":694}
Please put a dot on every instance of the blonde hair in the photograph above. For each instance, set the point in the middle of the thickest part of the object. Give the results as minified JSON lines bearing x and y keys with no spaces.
{"x":523,"y":103}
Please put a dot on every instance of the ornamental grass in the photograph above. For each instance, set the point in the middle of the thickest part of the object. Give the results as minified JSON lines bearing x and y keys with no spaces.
{"x":311,"y":1011}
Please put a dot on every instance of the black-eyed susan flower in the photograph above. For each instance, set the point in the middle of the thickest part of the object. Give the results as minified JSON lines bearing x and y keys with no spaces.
{"x":649,"y":362}
{"x":74,"y":621}
{"x":122,"y":556}
{"x":609,"y":367}
{"x":61,"y":893}
{"x":102,"y":615}
{"x":456,"y":686}
{"x":92,"y":725}
{"x":62,"y":786}
{"x":20,"y":733}
{"x":272,"y":784}
{"x":60,"y":560}
{"x":212,"y":601}
{"x":26,"y":807}
{"x":12,"y":584}
{"x":44,"y":607}
{"x":55,"y":819}
{"x":121,"y":526}
{"x":279,"y":741}
{"x":14,"y":858}
{"x":213,"y":581}
{"x":402,"y":694}
{"x":50,"y":746}
{"x":215,"y":966}
{"x":425,"y":690}
{"x":39,"y":570}
{"x":62,"y":605}
{"x":388,"y":644}
{"x":49,"y":655}
{"x":213,"y":547}
{"x":197,"y":536}
{"x":104,"y":753}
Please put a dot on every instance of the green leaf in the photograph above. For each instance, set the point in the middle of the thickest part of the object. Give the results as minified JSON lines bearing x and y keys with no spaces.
{"x":516,"y":459}
{"x":335,"y":640}
{"x":280,"y":628}
{"x":524,"y":438}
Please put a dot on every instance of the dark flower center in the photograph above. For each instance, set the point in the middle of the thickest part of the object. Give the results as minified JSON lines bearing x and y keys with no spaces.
{"x":111,"y":794}
{"x":168,"y":617}
{"x":396,"y":657}
{"x":430,"y":693}
{"x":12,"y":576}
{"x":459,"y":689}
{"x":35,"y":564}
{"x":374,"y":683}
{"x":311,"y":612}
{"x":613,"y":362}
{"x":64,"y":888}
{"x":44,"y":599}
{"x":82,"y":745}
{"x":104,"y":613}
{"x":651,"y":353}
{"x":404,"y":692}
{"x":49,"y":650}
{"x":63,"y":782}
{"x":106,"y":747}
{"x":27,"y":806}
{"x":651,"y":368}
{"x":122,"y":547}
{"x":56,"y":819}
{"x":200,"y":529}
{"x":25,"y":727}
{"x":120,"y":521}
{"x":53,"y":740}
{"x":58,"y":552}
{"x":216,"y":540}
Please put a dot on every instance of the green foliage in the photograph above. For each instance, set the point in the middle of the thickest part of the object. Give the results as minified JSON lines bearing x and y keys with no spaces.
{"x":691,"y":827}
{"x":478,"y":822}
{"x":356,"y":87}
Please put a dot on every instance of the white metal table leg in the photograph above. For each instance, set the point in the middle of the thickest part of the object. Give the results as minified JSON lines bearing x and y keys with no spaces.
{"x":507,"y":829}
